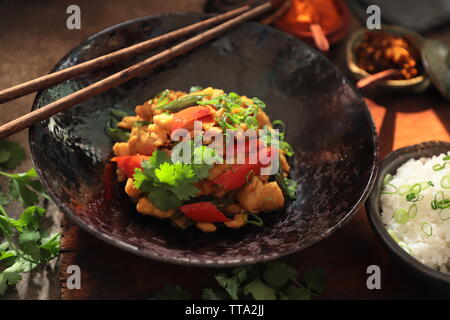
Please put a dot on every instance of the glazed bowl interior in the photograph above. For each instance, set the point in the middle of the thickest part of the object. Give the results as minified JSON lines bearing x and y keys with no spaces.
{"x":433,"y":278}
{"x":327,"y":123}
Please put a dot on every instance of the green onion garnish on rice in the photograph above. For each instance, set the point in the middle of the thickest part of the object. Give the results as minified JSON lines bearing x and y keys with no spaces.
{"x":416,"y":188}
{"x":427,"y":229}
{"x":401,"y":216}
{"x":414,"y":197}
{"x":386,"y":183}
{"x":445,"y":182}
{"x":404,"y":189}
{"x":412,"y":211}
{"x":445,"y":216}
{"x":438,"y":167}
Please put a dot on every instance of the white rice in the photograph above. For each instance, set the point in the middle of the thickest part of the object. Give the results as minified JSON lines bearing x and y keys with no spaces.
{"x":426,"y":236}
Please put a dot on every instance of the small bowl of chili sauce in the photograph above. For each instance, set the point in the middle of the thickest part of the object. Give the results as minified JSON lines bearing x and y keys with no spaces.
{"x":392,"y":47}
{"x":331,"y":15}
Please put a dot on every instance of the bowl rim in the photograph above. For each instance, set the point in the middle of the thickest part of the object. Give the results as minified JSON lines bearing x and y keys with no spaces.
{"x":145,"y":252}
{"x":389,"y":165}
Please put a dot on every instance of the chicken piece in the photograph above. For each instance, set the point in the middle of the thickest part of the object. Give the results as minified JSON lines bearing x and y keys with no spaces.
{"x":239,"y":220}
{"x":233,"y":208}
{"x":145,"y":207}
{"x":144,"y":140}
{"x":121,"y":149}
{"x":127,"y":122}
{"x":145,"y":111}
{"x":207,"y":227}
{"x":284,"y":164}
{"x":206,"y":188}
{"x":164,"y":121}
{"x":131,"y":190}
{"x":263,"y":119}
{"x":210,"y":93}
{"x":259,"y":196}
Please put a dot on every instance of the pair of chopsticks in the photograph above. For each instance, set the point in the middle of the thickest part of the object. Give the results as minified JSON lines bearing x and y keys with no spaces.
{"x":231,"y":18}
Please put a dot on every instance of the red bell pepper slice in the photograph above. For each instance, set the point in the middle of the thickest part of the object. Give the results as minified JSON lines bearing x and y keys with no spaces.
{"x":203,"y":212}
{"x":185,"y":118}
{"x":127,"y":164}
{"x":240,"y":173}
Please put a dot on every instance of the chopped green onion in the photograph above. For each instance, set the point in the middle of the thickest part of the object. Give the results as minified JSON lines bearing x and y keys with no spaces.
{"x":162,"y":97}
{"x":416,"y":188}
{"x":401,"y":216}
{"x":427,"y":229}
{"x":257,"y":222}
{"x":389,"y":192}
{"x":445,"y":182}
{"x":387,"y":178}
{"x":443,"y":204}
{"x":112,"y":130}
{"x":251,"y":123}
{"x":434,"y":205}
{"x":412,"y":211}
{"x":414,"y":197}
{"x":259,"y":102}
{"x":280,"y":123}
{"x":438,"y":167}
{"x":440,"y":194}
{"x":404,"y":189}
{"x":446,"y":158}
{"x":442,"y":218}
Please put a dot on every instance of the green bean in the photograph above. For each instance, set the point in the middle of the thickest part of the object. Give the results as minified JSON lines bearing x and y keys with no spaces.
{"x":181,"y":103}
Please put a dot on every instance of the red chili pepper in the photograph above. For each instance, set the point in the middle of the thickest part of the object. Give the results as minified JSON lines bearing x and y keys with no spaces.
{"x":203,"y":212}
{"x":127,"y":164}
{"x":239,"y":174}
{"x":185,"y":118}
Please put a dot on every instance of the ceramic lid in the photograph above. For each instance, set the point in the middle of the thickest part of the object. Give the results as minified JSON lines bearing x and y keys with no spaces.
{"x":436,"y":59}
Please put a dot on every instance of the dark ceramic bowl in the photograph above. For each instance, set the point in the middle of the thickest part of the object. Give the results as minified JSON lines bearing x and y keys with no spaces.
{"x":328,"y":125}
{"x":433,"y":278}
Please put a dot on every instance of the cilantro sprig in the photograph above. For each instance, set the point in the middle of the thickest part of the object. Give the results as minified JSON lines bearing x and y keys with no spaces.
{"x":168,"y":184}
{"x":266,"y":281}
{"x":23,"y":245}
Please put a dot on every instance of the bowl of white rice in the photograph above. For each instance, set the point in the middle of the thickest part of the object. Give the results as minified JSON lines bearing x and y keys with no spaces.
{"x":409,"y":209}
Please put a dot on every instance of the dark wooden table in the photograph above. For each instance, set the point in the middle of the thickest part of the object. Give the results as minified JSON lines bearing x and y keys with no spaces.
{"x":107,"y":272}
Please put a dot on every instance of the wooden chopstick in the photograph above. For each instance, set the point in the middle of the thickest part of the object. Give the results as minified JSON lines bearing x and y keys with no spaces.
{"x":79,"y":96}
{"x":108,"y":59}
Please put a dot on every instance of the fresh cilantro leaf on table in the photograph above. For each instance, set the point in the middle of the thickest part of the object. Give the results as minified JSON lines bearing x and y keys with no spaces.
{"x":25,"y":187}
{"x":265,"y":281}
{"x":11,"y":154}
{"x":24,"y":245}
{"x":168,"y":184}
